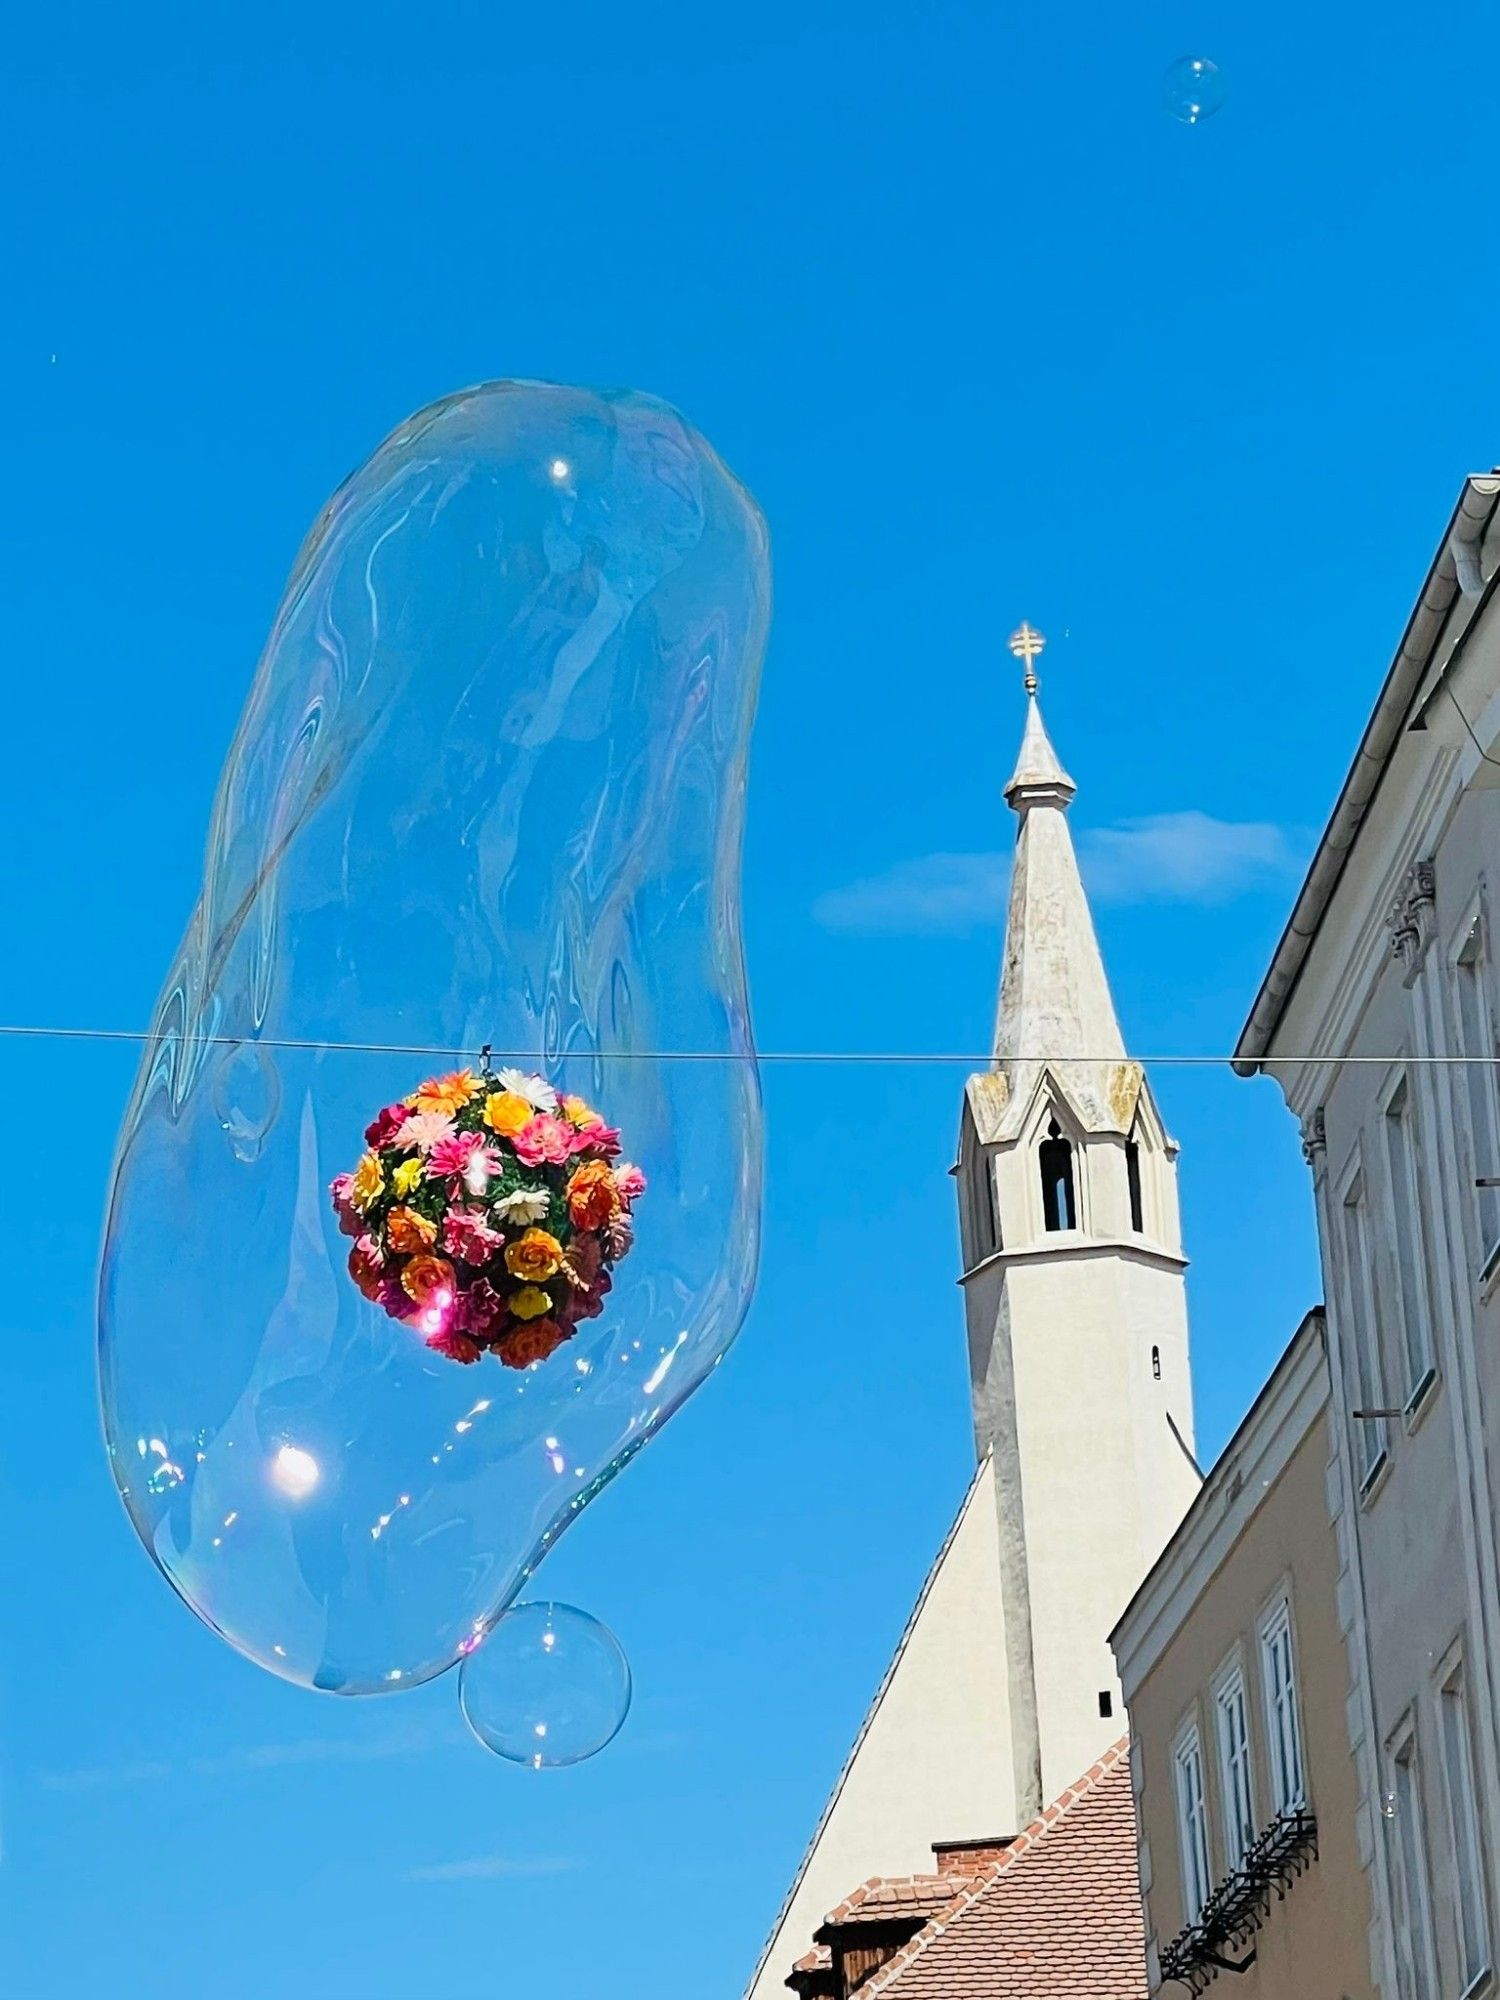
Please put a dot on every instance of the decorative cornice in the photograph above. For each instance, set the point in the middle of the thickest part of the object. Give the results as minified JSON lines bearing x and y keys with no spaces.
{"x":1413,"y":918}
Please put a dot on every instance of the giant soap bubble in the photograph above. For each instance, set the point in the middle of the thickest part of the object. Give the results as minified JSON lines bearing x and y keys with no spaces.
{"x":488,"y":788}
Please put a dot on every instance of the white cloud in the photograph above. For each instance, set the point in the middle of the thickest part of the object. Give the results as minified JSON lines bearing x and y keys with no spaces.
{"x":1187,"y":857}
{"x":1179,"y":857}
{"x":924,"y":898}
{"x":250,"y":1758}
{"x":490,"y":1868}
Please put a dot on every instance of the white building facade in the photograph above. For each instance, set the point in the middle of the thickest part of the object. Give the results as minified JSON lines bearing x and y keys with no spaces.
{"x":1378,"y":1019}
{"x":1003,"y":1690}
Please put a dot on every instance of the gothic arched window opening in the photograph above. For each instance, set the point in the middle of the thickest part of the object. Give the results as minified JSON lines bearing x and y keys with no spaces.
{"x":1133,"y":1177}
{"x":1055,"y":1158}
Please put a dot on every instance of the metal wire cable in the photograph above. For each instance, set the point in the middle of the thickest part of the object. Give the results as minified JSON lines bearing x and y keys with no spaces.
{"x":16,"y":1031}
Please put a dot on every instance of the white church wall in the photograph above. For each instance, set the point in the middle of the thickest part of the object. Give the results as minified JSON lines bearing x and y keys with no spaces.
{"x":933,"y":1759}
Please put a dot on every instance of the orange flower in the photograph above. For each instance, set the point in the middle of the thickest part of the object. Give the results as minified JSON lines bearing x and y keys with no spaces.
{"x":534,"y":1256}
{"x":577,"y":1113}
{"x":409,"y":1232}
{"x":445,"y":1094}
{"x":506,"y":1111}
{"x":427,"y":1279}
{"x":593,"y":1198}
{"x":533,"y":1342}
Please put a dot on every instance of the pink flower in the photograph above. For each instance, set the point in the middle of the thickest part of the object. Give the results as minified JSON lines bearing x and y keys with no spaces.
{"x":544,"y":1138}
{"x":585,"y":1258}
{"x":479,"y":1310}
{"x":467,"y":1236}
{"x":422,"y":1130}
{"x":383,"y":1127}
{"x":589,"y":1304}
{"x":630,"y":1182}
{"x":466,"y":1157}
{"x":619,"y":1236}
{"x":351,"y":1222}
{"x":395,"y":1299}
{"x":596,"y":1137}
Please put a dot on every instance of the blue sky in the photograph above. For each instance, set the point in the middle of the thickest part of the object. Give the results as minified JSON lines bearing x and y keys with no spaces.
{"x":989,"y":335}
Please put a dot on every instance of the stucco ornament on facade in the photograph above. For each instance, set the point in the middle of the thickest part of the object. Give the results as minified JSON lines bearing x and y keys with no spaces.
{"x":1413,"y":918}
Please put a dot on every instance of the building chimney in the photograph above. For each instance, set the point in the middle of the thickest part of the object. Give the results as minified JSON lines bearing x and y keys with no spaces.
{"x":966,"y":1857}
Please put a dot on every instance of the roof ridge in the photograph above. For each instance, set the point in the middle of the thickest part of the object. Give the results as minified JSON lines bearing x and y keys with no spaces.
{"x":1026,"y":1842}
{"x":869,"y":1716}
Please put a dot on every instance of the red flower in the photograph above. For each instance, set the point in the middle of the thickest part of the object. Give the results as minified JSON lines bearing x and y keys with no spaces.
{"x":455,"y":1345}
{"x":367,"y":1267}
{"x":383,"y":1128}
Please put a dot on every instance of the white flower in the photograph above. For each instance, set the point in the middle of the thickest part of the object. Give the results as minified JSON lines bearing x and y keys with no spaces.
{"x":535,"y":1089}
{"x":525,"y":1205}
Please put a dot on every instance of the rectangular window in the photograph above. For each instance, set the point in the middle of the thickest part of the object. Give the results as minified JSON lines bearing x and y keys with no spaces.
{"x":1403,"y":1808}
{"x":1470,"y":1908}
{"x":1133,"y":1182}
{"x":1372,"y":1433}
{"x":1192,"y":1821}
{"x":1232,"y":1715}
{"x":1476,"y":1034}
{"x":1415,"y":1291}
{"x":1283,"y":1725}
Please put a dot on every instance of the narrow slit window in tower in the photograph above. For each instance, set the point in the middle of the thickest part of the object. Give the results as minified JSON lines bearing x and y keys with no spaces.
{"x":1156,"y":1364}
{"x":1133,"y":1176}
{"x":1055,"y":1157}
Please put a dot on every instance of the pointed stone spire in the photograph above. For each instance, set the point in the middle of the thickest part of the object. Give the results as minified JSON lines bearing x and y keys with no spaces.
{"x":1054,"y":997}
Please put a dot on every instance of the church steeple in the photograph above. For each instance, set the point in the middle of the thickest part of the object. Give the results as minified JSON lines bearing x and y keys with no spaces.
{"x":1054,"y":996}
{"x":1073,"y":1293}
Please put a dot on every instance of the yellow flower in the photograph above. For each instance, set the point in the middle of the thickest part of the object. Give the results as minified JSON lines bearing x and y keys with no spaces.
{"x":506,"y":1111}
{"x":577,"y":1113}
{"x":447,"y":1094}
{"x":530,"y":1302}
{"x":406,"y":1176}
{"x":534,"y":1255}
{"x":369,"y":1179}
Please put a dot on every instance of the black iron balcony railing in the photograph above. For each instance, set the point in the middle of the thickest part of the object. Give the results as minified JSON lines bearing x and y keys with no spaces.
{"x":1240,"y":1904}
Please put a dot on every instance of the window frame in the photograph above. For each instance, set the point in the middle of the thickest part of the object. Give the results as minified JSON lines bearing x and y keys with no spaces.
{"x":1194,"y":1845}
{"x":1055,"y":1133}
{"x":1470,"y":966}
{"x":1276,"y":1617}
{"x":1360,"y":1314}
{"x":1465,"y":1829}
{"x":1238,"y":1837}
{"x":1416,"y":1938}
{"x":1410,"y":1244}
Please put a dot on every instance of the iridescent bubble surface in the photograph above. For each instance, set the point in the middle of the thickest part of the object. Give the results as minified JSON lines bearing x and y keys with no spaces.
{"x":548,"y":1686}
{"x":1194,"y":89}
{"x":488,"y":788}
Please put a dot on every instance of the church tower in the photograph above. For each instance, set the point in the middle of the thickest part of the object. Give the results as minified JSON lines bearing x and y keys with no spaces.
{"x":1073,"y":1293}
{"x":1002,"y":1691}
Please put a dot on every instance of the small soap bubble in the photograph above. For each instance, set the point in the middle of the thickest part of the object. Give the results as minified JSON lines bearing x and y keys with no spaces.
{"x":548,"y":1686}
{"x":1194,"y":89}
{"x":246,"y":1098}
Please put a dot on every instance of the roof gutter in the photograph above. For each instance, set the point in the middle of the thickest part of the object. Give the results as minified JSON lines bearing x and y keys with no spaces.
{"x":1455,"y":571}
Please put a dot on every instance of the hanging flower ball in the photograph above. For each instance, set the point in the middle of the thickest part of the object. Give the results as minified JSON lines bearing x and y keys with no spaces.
{"x":487,"y":1212}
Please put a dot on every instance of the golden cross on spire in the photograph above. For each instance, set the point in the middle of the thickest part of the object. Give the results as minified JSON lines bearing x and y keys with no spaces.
{"x":1026,"y":643}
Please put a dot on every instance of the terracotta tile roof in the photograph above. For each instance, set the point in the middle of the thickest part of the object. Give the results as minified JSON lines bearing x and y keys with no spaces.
{"x":885,"y":1897}
{"x":819,"y":1959}
{"x":1058,"y":1914}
